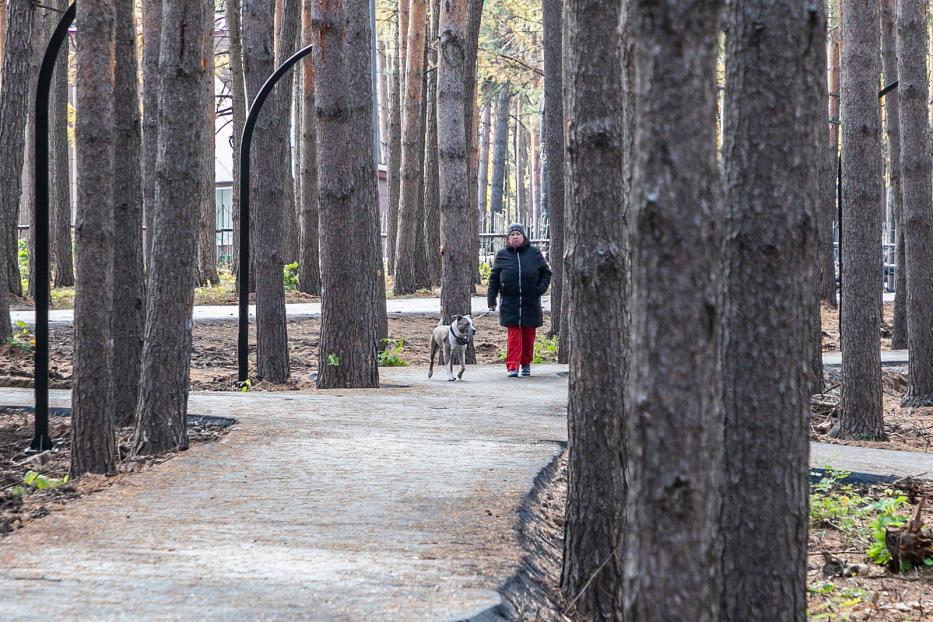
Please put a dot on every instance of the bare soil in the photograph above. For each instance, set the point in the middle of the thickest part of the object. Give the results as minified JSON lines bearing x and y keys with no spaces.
{"x":21,"y":503}
{"x":829,"y":323}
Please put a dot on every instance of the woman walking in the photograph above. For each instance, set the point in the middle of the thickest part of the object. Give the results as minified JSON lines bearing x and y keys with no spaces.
{"x":520,"y":275}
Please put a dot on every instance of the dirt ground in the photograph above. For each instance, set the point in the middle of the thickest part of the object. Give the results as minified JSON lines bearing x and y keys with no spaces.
{"x":829,"y":322}
{"x":214,"y":357}
{"x":21,"y":502}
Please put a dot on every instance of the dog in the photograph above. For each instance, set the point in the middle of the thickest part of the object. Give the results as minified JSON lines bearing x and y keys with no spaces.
{"x":452,"y":339}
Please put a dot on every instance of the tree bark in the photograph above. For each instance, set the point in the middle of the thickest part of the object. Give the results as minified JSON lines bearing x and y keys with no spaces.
{"x":483,"y":176}
{"x":892,"y":129}
{"x":395,"y":163}
{"x":163,"y":397}
{"x":775,"y":52}
{"x":456,"y":214}
{"x":370,"y":281}
{"x":912,"y":97}
{"x":309,"y":275}
{"x":27,"y":207}
{"x":93,"y":443}
{"x":239,"y":105}
{"x":597,"y":278}
{"x":382,"y":73}
{"x":674,"y":461}
{"x":152,"y":33}
{"x":3,"y":23}
{"x":827,"y":213}
{"x":432,"y":220}
{"x":500,"y":152}
{"x":471,"y":122}
{"x":129,"y":294}
{"x":287,"y":44}
{"x":860,"y":413}
{"x":59,"y":167}
{"x":348,"y":343}
{"x":267,"y":192}
{"x":409,"y":271}
{"x":14,"y":100}
{"x":554,"y":145}
{"x":207,"y":217}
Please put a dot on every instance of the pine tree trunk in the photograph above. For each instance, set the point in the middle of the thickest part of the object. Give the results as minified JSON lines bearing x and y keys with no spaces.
{"x":500,"y":152}
{"x":59,"y":172}
{"x":554,"y":145}
{"x":892,"y":129}
{"x":535,"y":190}
{"x":93,"y":442}
{"x":27,"y":207}
{"x":821,"y":178}
{"x":14,"y":100}
{"x":432,"y":220}
{"x":409,"y":275}
{"x":163,"y":397}
{"x":309,"y":275}
{"x":238,"y":105}
{"x":860,"y":413}
{"x":456,"y":213}
{"x":827,"y":212}
{"x":674,"y":457}
{"x":471,"y":123}
{"x":207,"y":217}
{"x":912,"y":97}
{"x":152,"y":32}
{"x":267,"y":196}
{"x":597,"y":275}
{"x":395,"y":163}
{"x":370,"y":281}
{"x":3,"y":22}
{"x":129,"y":294}
{"x":382,"y":73}
{"x":286,"y":45}
{"x":775,"y":52}
{"x":483,"y":176}
{"x":348,"y":344}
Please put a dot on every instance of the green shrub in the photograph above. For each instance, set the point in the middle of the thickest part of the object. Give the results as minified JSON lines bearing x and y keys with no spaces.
{"x":290,"y":275}
{"x":391,"y":355}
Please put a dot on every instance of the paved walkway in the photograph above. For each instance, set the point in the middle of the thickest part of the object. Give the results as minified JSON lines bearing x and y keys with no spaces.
{"x":888,"y":357}
{"x":392,"y":504}
{"x":219,"y":313}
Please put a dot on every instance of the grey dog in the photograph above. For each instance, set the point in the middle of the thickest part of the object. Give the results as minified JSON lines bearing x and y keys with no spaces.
{"x":452,"y":339}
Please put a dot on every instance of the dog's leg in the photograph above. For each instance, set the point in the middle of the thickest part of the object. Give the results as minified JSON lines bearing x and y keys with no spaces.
{"x":462,"y":362}
{"x":433,"y":352}
{"x":449,"y":351}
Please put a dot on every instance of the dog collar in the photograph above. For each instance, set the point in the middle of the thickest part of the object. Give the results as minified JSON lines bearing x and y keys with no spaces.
{"x":461,"y":339}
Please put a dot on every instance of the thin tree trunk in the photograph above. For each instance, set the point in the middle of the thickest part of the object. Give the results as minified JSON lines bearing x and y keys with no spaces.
{"x":239,"y":105}
{"x":500,"y":152}
{"x":471,"y":123}
{"x":892,"y":129}
{"x":395,"y":163}
{"x":775,"y":51}
{"x":456,"y":213}
{"x":27,"y":207}
{"x":597,"y":276}
{"x":535,"y":171}
{"x":432,"y":220}
{"x":93,"y":442}
{"x":409,"y":275}
{"x":348,"y":349}
{"x":129,"y":293}
{"x":912,"y":97}
{"x":382,"y":73}
{"x":60,"y":179}
{"x":554,"y":145}
{"x":674,"y":461}
{"x":286,"y":45}
{"x":207,"y":217}
{"x":267,"y":192}
{"x":483,"y":176}
{"x":163,"y":396}
{"x":152,"y":33}
{"x":309,"y":275}
{"x":827,"y":212}
{"x":860,"y":413}
{"x":3,"y":23}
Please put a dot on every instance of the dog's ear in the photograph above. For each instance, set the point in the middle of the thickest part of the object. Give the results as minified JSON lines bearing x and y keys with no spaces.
{"x":457,"y":318}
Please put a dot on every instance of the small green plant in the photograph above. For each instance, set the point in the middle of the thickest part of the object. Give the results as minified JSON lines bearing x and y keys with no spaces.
{"x":391,"y":355}
{"x":485,"y":270}
{"x":333,"y":360}
{"x":290,"y":275}
{"x":245,"y":386}
{"x":835,"y":602}
{"x":545,"y":350}
{"x":22,"y":337}
{"x":22,"y":255}
{"x":40,"y":482}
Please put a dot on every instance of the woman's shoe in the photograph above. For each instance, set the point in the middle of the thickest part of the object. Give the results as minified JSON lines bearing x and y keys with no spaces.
{"x":513,"y":373}
{"x":526,"y":370}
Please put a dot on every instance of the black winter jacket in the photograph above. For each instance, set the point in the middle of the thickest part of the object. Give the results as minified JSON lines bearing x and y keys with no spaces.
{"x":521,"y":276}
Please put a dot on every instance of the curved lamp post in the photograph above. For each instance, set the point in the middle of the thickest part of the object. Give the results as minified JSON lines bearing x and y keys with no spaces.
{"x":243,"y":273}
{"x":41,"y":440}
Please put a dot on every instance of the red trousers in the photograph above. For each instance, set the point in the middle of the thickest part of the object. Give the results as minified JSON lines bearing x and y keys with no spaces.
{"x":521,"y":347}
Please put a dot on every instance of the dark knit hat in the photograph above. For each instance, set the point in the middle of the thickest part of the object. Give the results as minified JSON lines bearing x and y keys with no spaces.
{"x":517,"y":227}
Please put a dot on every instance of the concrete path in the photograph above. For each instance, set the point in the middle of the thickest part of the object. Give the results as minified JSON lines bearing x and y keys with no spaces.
{"x":888,"y":357}
{"x":392,"y":504}
{"x":874,"y":461}
{"x":219,"y":313}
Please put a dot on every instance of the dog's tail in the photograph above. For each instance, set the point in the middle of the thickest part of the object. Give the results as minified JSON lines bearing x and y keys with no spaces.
{"x":433,"y":352}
